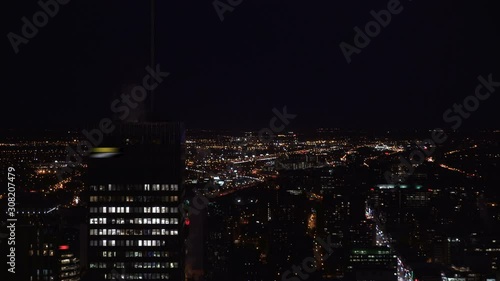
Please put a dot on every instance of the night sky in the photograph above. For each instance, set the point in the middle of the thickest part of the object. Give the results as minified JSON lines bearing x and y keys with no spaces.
{"x":265,"y":54}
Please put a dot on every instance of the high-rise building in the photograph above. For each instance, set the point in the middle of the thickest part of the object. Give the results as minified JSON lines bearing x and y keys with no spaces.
{"x":373,"y":264}
{"x":135,"y":188}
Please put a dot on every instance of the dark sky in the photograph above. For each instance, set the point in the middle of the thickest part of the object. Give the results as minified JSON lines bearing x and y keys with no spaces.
{"x":264,"y":54}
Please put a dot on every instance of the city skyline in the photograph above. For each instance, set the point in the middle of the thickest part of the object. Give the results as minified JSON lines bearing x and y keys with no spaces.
{"x":254,"y":201}
{"x":250,"y":141}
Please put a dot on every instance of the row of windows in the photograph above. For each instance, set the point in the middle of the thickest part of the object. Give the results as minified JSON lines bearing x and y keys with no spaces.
{"x":68,"y":261}
{"x":134,"y":221}
{"x":119,"y":231}
{"x":43,"y":272}
{"x":137,"y":254}
{"x":154,"y":265}
{"x":373,"y":260}
{"x":41,"y":253}
{"x":127,"y":210}
{"x":70,"y":267}
{"x":45,"y":245}
{"x":141,"y":265}
{"x":105,"y":210}
{"x":134,"y":198}
{"x":65,"y":275}
{"x":135,"y":187}
{"x":108,"y":254}
{"x":147,"y":254}
{"x":137,"y":276}
{"x":129,"y":243}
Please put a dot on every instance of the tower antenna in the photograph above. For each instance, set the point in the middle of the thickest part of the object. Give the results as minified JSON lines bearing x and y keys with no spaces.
{"x":152,"y":54}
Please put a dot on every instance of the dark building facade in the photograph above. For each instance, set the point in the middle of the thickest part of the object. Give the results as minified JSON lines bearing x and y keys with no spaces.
{"x":135,"y":188}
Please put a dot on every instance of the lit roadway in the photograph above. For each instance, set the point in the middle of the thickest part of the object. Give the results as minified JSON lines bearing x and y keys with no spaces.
{"x":269,"y":156}
{"x":258,"y":158}
{"x":239,"y":177}
{"x":234,"y":189}
{"x":383,"y":239}
{"x":231,"y":189}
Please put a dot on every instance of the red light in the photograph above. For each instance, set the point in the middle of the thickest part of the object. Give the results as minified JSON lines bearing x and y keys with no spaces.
{"x":63,"y":247}
{"x":187,"y":222}
{"x":372,"y":189}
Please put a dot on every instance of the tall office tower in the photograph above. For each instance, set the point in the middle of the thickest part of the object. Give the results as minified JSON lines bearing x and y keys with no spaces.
{"x":135,"y":186}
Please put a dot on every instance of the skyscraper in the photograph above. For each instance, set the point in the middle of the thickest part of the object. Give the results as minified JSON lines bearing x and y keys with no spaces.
{"x":135,"y":185}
